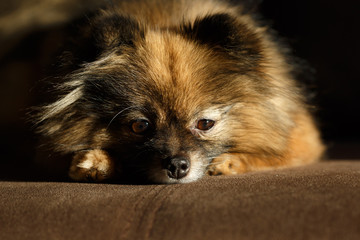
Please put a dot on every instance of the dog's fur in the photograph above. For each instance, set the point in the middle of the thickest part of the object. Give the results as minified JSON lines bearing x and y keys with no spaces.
{"x":172,"y":64}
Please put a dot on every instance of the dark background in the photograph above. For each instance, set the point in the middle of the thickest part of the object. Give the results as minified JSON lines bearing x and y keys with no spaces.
{"x":323,"y":33}
{"x":326,"y":33}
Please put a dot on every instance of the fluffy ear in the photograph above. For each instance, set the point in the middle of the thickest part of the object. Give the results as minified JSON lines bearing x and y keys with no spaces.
{"x":222,"y":31}
{"x":89,"y":41}
{"x":113,"y":30}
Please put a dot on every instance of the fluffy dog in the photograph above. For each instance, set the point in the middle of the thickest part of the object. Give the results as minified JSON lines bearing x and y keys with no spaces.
{"x":167,"y":91}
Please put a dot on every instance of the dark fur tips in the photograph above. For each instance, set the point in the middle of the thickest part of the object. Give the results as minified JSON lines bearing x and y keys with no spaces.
{"x":115,"y":30}
{"x":223,"y":31}
{"x":214,"y":30}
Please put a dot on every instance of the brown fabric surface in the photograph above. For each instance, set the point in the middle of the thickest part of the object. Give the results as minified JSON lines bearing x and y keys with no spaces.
{"x":320,"y":201}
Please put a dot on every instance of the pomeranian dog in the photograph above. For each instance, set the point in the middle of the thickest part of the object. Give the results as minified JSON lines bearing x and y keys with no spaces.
{"x":166,"y":91}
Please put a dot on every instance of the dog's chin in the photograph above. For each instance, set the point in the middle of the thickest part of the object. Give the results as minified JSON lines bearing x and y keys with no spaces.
{"x":163,"y":178}
{"x":196,"y":171}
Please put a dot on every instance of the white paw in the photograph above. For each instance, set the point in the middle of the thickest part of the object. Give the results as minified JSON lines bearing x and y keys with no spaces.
{"x":93,"y":165}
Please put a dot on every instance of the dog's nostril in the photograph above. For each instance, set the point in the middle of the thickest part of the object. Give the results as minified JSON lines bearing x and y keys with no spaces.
{"x":184,"y":166}
{"x":178,"y":168}
{"x":172,"y":168}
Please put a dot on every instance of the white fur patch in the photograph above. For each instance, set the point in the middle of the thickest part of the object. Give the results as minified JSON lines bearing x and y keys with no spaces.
{"x":197,"y":169}
{"x":216,"y":114}
{"x":95,"y":159}
{"x":56,"y":107}
{"x":87,"y":164}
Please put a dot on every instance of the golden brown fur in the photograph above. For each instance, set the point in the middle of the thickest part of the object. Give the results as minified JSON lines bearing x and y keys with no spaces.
{"x":172,"y":64}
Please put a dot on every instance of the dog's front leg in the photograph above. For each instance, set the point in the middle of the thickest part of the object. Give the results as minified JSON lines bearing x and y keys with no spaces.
{"x":226,"y":164}
{"x":92,"y":165}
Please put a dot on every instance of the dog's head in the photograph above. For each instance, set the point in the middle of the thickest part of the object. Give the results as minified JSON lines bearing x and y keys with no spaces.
{"x":162,"y":102}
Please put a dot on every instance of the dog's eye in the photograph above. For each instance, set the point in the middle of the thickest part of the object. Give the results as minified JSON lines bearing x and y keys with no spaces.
{"x":205,"y":124}
{"x":140,"y":126}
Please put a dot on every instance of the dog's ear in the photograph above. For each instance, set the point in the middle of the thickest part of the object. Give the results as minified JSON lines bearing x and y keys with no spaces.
{"x":113,"y":30}
{"x":222,"y":31}
{"x":89,"y":40}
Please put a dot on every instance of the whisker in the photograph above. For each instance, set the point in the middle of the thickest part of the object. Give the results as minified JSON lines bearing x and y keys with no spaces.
{"x":116,"y":115}
{"x":140,"y":153}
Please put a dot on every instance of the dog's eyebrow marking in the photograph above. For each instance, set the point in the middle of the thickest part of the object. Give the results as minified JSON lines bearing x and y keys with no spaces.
{"x":215,"y":113}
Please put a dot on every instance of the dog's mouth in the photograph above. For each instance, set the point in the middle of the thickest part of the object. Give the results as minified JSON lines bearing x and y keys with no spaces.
{"x":151,"y":167}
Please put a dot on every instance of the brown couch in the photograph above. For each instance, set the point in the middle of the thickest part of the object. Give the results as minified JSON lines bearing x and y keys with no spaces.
{"x":319,"y":201}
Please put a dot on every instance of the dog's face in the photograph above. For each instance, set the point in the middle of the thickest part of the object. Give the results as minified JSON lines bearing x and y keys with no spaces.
{"x":166,"y":146}
{"x":165,"y":102}
{"x":165,"y":113}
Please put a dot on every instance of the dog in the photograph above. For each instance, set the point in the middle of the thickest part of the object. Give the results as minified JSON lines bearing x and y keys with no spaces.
{"x":167,"y":91}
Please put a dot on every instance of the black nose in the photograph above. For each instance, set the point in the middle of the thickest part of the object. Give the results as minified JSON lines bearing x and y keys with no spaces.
{"x":178,"y":167}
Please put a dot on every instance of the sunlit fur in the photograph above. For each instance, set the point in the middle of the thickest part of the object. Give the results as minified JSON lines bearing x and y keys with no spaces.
{"x":174,"y":63}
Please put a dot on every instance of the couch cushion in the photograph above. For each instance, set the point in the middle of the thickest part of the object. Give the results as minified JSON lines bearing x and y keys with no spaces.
{"x":319,"y":201}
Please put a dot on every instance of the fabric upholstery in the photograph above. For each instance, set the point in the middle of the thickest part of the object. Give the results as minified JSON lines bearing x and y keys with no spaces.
{"x":319,"y":201}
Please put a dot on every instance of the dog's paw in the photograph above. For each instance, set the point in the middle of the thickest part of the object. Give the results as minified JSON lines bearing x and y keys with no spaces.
{"x":91,"y":166}
{"x":226,"y":164}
